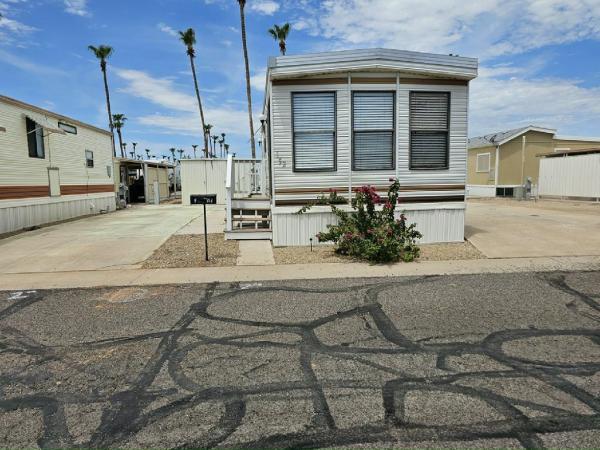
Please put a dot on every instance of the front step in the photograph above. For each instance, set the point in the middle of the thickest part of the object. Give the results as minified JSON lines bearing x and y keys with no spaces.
{"x":250,"y":203}
{"x":249,"y":234}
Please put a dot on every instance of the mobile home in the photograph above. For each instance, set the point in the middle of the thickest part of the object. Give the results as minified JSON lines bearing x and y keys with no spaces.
{"x":501,"y":164}
{"x":340,"y":120}
{"x":52,"y":167}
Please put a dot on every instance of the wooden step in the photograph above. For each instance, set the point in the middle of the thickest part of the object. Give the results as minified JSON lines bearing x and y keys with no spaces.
{"x":251,"y":219}
{"x":249,"y":234}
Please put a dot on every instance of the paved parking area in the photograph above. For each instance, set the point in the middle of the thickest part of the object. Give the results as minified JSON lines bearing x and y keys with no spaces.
{"x":122,"y":239}
{"x":506,"y":229}
{"x":502,"y":361}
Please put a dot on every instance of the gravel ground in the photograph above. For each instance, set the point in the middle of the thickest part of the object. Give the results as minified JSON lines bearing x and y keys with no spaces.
{"x":325,"y":254}
{"x":187,"y":250}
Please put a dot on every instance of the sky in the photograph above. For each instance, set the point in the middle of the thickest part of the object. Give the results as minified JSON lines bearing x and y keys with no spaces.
{"x":539,"y":59}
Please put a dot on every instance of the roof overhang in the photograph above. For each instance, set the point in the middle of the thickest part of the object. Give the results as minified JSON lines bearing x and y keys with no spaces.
{"x":581,"y":151}
{"x":380,"y":60}
{"x":551,"y":131}
{"x":45,"y":126}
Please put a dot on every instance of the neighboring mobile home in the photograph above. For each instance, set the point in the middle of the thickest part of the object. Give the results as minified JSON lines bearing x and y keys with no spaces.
{"x":340,"y":120}
{"x":500,"y":164}
{"x":52,"y":167}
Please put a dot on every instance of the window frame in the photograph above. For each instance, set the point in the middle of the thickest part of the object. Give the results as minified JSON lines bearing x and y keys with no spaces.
{"x":489,"y":165}
{"x":67,"y":127}
{"x":87,"y":160}
{"x":394,"y":126}
{"x":447,"y":131}
{"x":34,"y":133}
{"x":328,"y":169}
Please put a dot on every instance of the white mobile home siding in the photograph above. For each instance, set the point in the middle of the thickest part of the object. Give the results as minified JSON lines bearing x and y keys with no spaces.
{"x":24,"y":181}
{"x":290,"y":185}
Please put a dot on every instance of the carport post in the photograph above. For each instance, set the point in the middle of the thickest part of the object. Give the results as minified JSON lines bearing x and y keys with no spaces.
{"x":205,"y":235}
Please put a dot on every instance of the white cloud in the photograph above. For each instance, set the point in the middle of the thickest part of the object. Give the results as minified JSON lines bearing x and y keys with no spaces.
{"x":167,"y":29}
{"x":28,"y":66}
{"x":482,"y":28}
{"x":258,"y":79}
{"x":77,"y":7}
{"x":499,"y":103}
{"x":182,"y":115}
{"x":267,"y":7}
{"x":160,"y":91}
{"x":12,"y":31}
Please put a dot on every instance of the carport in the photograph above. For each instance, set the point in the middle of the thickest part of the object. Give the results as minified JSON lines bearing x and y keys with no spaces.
{"x":138,"y":181}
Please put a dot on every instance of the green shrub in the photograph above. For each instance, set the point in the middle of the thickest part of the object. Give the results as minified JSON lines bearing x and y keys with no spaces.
{"x":370,"y":233}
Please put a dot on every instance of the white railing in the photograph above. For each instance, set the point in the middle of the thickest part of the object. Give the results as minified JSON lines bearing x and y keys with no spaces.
{"x":230,"y":190}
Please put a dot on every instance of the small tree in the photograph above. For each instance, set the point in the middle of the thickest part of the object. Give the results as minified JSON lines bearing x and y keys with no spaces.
{"x":370,"y":232}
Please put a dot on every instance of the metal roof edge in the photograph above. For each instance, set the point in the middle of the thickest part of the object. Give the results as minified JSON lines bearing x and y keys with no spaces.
{"x":21,"y":104}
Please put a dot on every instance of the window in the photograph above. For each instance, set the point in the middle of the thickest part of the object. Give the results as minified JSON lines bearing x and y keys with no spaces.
{"x":89,"y":158}
{"x":373,"y":130}
{"x":35,"y":138}
{"x":483,"y":162}
{"x":67,"y":128}
{"x":313,"y":127}
{"x":429,"y":130}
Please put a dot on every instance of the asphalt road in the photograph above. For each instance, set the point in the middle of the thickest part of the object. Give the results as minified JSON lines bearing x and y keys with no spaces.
{"x":510,"y":360}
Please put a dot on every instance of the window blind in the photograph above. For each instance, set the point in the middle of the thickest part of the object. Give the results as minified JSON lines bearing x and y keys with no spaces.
{"x":429,"y":130}
{"x":314,"y":130}
{"x":373,"y":130}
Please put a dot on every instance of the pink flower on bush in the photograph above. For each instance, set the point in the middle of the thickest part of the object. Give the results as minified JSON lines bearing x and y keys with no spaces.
{"x":391,"y":179}
{"x":387,"y":205}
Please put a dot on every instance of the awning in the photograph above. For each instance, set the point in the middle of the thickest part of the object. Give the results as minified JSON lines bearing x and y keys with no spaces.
{"x":45,"y":126}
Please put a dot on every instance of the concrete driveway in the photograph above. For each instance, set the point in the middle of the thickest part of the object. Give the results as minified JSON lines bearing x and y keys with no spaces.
{"x":506,"y":228}
{"x":122,"y":239}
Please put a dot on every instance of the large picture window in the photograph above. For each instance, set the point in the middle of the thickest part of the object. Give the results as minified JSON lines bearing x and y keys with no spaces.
{"x":429,"y":130}
{"x":35,"y":139}
{"x":313,"y":127}
{"x":373,"y":130}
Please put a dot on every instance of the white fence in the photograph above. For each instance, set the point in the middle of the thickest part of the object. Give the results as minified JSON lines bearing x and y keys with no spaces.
{"x":574,"y":176}
{"x":207,"y":176}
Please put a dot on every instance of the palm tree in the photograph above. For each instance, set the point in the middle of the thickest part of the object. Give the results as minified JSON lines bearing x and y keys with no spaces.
{"x":180,"y":151}
{"x":194,"y":146}
{"x":280,"y":34}
{"x":118,"y":123}
{"x":207,"y":129}
{"x":188,"y":37}
{"x":148,"y":153}
{"x":103,"y":52}
{"x":215,"y":138}
{"x":242,"y":4}
{"x":134,"y":145}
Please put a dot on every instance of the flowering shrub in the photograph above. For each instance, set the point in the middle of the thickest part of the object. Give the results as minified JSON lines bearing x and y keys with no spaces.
{"x":372,"y":233}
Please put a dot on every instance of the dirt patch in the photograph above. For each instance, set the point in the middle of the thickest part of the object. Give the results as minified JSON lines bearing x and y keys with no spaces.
{"x":449,"y":251}
{"x":187,"y":250}
{"x":303,"y":255}
{"x":325,"y":254}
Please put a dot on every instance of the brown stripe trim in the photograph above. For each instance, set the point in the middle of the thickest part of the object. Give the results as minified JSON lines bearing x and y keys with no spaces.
{"x":77,"y":189}
{"x":367,"y":80}
{"x":342,"y":190}
{"x":18,"y":192}
{"x":21,"y":192}
{"x":431,"y":199}
{"x":309,"y":81}
{"x":373,"y":80}
{"x":433,"y":81}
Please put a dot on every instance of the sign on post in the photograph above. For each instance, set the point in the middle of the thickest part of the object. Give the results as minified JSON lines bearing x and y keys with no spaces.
{"x":204,"y":199}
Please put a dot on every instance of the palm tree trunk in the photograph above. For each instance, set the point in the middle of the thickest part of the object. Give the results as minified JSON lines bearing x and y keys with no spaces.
{"x":248,"y":90}
{"x":110,"y":121}
{"x":121,"y":142}
{"x":199,"y":104}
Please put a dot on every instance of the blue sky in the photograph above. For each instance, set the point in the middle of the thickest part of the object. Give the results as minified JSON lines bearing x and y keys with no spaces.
{"x":540,"y":59}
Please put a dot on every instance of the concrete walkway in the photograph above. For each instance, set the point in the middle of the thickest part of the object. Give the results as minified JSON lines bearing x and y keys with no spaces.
{"x":146,"y":277}
{"x":255,"y":253}
{"x":122,"y":239}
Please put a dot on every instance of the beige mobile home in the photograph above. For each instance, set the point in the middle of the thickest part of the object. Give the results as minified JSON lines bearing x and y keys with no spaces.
{"x":501,"y":163}
{"x":340,"y":120}
{"x":52,"y":167}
